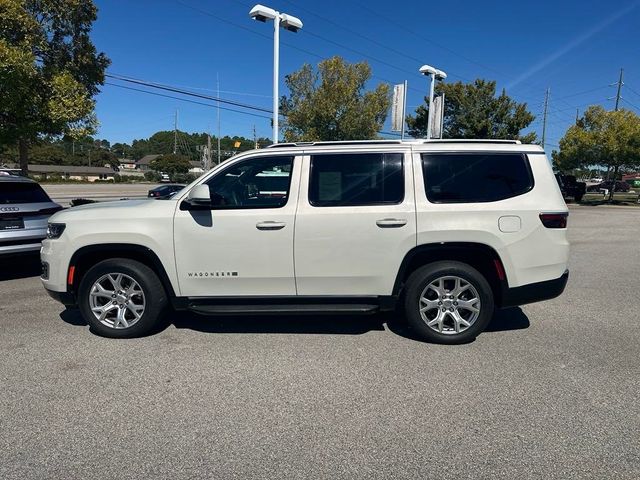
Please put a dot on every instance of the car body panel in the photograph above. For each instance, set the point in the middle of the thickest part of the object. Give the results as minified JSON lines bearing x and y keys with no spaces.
{"x":323,"y":251}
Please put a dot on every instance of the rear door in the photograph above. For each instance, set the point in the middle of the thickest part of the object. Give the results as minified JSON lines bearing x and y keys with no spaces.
{"x":355,"y":222}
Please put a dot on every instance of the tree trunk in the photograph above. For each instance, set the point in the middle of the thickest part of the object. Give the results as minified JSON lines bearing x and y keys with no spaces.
{"x":613,"y":185}
{"x":23,"y":152}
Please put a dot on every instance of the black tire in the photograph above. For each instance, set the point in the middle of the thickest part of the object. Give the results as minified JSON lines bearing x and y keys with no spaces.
{"x":155,"y":297}
{"x":423,"y":276}
{"x":579,"y":198}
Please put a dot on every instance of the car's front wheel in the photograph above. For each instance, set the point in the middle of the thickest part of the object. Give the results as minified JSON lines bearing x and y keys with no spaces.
{"x":121,"y":298}
{"x":448,"y":302}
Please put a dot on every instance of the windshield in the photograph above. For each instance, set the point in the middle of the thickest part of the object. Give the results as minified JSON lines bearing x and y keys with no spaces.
{"x":19,"y":192}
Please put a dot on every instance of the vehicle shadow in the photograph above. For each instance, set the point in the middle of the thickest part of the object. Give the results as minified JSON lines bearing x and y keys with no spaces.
{"x":503,"y":320}
{"x":20,"y":266}
{"x":272,"y":324}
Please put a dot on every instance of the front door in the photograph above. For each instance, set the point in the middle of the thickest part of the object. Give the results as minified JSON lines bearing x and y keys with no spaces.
{"x":244,"y":244}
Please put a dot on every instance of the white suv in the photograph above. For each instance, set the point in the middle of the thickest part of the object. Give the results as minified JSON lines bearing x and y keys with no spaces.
{"x":446,"y":229}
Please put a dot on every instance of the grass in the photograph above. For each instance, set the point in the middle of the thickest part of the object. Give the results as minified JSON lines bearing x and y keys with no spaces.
{"x":619,"y":198}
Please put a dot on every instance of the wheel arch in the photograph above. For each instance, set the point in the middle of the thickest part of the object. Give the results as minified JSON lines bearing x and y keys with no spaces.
{"x":480,"y":256}
{"x":85,"y":257}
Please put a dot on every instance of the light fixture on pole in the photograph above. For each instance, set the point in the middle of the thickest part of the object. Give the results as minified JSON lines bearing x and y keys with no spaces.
{"x":288,"y":22}
{"x":435,"y":74}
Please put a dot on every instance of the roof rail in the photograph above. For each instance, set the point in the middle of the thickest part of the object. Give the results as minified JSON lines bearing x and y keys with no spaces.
{"x":393,"y":142}
{"x":471,"y":140}
{"x":337,"y":142}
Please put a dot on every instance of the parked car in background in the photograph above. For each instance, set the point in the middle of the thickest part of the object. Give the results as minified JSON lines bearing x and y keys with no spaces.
{"x":165,"y":191}
{"x":24,"y":210}
{"x":608,"y":185}
{"x":570,"y":187}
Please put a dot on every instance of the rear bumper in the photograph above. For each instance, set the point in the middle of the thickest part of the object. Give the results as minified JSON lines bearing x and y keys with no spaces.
{"x":65,"y":298}
{"x":534,"y":292}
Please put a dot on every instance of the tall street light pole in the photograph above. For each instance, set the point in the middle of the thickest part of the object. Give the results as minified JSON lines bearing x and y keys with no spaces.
{"x":435,"y":74}
{"x":289,"y":22}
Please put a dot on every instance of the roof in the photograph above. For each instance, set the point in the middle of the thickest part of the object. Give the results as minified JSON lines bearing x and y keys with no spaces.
{"x":147,"y":159}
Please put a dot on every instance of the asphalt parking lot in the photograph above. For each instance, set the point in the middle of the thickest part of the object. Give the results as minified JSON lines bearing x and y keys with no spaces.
{"x":550,"y":391}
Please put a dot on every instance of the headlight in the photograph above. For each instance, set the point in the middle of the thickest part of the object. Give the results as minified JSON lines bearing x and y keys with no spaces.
{"x":54,"y":230}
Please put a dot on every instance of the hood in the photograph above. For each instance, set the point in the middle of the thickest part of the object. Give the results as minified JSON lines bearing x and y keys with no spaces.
{"x":117,"y":209}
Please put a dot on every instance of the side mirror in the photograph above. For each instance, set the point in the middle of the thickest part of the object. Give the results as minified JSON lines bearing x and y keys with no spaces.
{"x":198,"y":198}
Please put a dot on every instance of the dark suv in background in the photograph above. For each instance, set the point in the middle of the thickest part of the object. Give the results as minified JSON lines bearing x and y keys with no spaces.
{"x":570,"y":187}
{"x":24,"y":210}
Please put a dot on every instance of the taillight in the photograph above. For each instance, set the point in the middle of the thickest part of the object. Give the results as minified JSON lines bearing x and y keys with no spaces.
{"x":554,"y":220}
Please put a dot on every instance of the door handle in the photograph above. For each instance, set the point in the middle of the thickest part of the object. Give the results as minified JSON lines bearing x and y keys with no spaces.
{"x":391,"y":222}
{"x":269,"y":225}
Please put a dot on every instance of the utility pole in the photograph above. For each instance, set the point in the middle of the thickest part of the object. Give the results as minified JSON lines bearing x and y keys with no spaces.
{"x":544,"y":116}
{"x":175,"y":133}
{"x":255,"y":139}
{"x":208,"y":165}
{"x":577,"y":115}
{"x":218,"y":83}
{"x":620,"y":84}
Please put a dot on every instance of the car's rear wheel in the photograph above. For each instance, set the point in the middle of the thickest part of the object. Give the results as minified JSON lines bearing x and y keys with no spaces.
{"x":448,"y":302}
{"x":121,"y":298}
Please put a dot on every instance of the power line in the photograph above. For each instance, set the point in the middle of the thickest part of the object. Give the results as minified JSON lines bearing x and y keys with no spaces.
{"x":282,"y":42}
{"x":299,"y":49}
{"x":185,"y":92}
{"x":632,"y":90}
{"x":629,"y":103}
{"x":185,"y":100}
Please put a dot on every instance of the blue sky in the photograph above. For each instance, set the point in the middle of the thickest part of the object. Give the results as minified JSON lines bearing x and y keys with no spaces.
{"x":575,"y":48}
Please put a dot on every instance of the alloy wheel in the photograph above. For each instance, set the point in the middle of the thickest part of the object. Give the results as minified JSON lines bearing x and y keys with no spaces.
{"x":117,"y":300}
{"x":449,"y":305}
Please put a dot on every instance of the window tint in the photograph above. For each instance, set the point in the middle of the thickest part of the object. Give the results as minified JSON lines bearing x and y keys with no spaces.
{"x":339,"y":180}
{"x":475,"y":177}
{"x":19,"y":192}
{"x":255,"y":183}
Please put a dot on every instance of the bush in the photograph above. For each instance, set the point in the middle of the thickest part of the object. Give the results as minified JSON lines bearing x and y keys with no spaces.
{"x":184,"y":177}
{"x":152,"y":176}
{"x":129,"y":178}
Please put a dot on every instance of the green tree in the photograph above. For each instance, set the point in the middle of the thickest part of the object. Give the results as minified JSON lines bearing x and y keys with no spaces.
{"x":171,"y":164}
{"x":472,"y":110}
{"x":601,"y":138}
{"x":49,"y":70}
{"x":332,"y":104}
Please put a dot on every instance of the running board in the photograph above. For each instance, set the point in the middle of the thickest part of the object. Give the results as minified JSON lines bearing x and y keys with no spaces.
{"x":285,"y":309}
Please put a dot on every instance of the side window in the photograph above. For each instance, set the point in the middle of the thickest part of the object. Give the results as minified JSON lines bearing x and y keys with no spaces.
{"x":351,"y":179}
{"x":260,"y":182}
{"x":475,"y":177}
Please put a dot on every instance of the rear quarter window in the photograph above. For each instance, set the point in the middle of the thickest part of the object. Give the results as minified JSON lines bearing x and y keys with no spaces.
{"x":475,"y":177}
{"x":22,"y":192}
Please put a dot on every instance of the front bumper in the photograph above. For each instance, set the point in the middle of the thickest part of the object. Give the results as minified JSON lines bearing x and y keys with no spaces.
{"x":534,"y":292}
{"x":66,"y":298}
